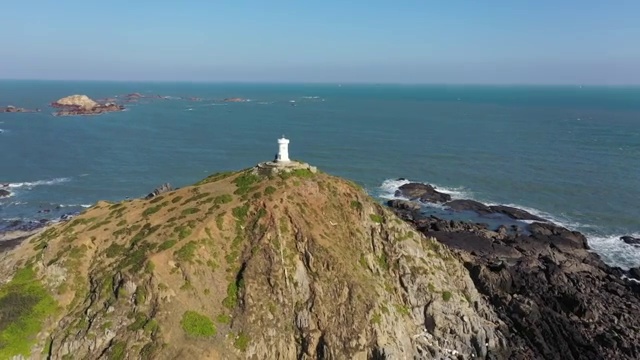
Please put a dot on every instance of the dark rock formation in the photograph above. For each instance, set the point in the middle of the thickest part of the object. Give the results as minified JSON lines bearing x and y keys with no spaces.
{"x":4,"y":193}
{"x":482,"y":209}
{"x":83,"y":105}
{"x":403,"y":205}
{"x":166,"y":187}
{"x":631,"y":240}
{"x":13,"y":109}
{"x":515,"y":213}
{"x":422,"y":192}
{"x":469,"y":205}
{"x":559,"y":300}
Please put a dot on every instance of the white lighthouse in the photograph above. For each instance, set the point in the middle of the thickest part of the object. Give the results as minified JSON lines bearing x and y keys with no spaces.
{"x":283,"y":150}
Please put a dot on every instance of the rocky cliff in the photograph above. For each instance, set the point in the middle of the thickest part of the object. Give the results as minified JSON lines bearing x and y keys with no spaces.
{"x":243,"y":265}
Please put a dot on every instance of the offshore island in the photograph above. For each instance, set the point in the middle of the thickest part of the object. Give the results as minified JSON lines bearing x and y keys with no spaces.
{"x":281,"y":260}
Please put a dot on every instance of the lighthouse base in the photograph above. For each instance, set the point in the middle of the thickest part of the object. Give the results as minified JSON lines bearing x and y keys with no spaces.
{"x":276,"y":167}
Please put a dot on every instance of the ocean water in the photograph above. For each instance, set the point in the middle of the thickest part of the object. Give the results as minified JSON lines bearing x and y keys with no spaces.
{"x":570,"y":154}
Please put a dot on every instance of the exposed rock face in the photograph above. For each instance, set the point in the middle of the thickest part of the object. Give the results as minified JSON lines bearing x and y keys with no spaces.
{"x":83,"y":105}
{"x":422,"y":192}
{"x":298,"y":265}
{"x":560,"y":300}
{"x":166,"y":187}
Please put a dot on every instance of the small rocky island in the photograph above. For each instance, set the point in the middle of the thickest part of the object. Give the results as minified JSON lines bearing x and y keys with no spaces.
{"x":13,"y":109}
{"x":83,"y":105}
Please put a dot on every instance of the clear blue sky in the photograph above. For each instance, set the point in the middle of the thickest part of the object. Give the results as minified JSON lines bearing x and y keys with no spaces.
{"x":403,"y":41}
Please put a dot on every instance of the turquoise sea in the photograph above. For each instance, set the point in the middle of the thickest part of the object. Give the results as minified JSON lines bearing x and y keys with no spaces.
{"x":571,"y":154}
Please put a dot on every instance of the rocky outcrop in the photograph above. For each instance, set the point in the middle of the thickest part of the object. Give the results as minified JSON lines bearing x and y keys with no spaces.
{"x":4,"y":193}
{"x":234,"y":99}
{"x":83,"y":105}
{"x":422,"y":192}
{"x":166,"y":187}
{"x":631,"y":240}
{"x":13,"y":109}
{"x":559,"y":299}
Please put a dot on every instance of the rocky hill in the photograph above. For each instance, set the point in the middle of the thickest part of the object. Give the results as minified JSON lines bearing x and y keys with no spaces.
{"x":298,"y":265}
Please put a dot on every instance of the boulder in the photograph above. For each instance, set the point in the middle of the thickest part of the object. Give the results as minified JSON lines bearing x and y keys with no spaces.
{"x":403,"y":205}
{"x":4,"y":193}
{"x":166,"y":187}
{"x":631,"y":240}
{"x":422,"y":192}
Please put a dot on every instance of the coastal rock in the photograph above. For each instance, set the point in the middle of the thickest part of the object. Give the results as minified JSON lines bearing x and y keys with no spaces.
{"x":482,"y":209}
{"x":83,"y":105}
{"x":166,"y":187}
{"x":422,"y":192}
{"x":4,"y":193}
{"x":631,"y":240}
{"x":235,"y":99}
{"x":635,"y":273}
{"x":13,"y":109}
{"x":515,"y":213}
{"x":403,"y":205}
{"x":559,"y":299}
{"x":469,"y":205}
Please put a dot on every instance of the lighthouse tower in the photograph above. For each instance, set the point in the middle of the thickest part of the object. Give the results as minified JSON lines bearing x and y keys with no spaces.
{"x":283,"y":150}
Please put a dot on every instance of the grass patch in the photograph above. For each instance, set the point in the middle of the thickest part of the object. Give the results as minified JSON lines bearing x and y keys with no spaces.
{"x":152,"y":210}
{"x":187,"y":252}
{"x":197,"y":325}
{"x":215,"y":177}
{"x":446,"y":295}
{"x":232,"y":296}
{"x":356,"y":205}
{"x":376,"y":218}
{"x":223,"y":319}
{"x":241,"y":342}
{"x":401,"y":309}
{"x":376,"y":319}
{"x":300,"y":173}
{"x":118,"y":351}
{"x":167,"y":244}
{"x":24,"y":306}
{"x":189,"y":211}
{"x":244,"y":182}
{"x":223,"y":199}
{"x":269,"y":190}
{"x":241,"y":212}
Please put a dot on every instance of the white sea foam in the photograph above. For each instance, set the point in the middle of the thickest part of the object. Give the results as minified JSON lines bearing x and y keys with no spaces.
{"x":74,"y":205}
{"x":390,"y":186}
{"x":32,"y":184}
{"x":614,"y":251}
{"x":311,"y":97}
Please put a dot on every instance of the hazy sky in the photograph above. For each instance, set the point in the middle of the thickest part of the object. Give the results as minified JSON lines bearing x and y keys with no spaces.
{"x":404,"y":41}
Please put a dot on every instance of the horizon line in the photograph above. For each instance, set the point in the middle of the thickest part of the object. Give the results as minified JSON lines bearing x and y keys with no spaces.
{"x":265,"y":82}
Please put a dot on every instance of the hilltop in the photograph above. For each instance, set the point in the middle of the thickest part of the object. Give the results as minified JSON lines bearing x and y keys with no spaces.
{"x":243,"y":264}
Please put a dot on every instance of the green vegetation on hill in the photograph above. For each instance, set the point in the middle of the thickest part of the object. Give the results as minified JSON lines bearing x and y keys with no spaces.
{"x":24,"y":306}
{"x":197,"y":325}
